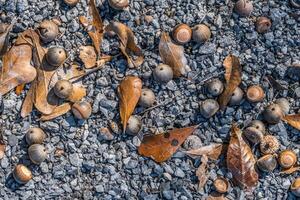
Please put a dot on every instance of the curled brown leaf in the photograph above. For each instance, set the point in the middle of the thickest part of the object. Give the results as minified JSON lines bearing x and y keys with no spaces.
{"x":293,"y":120}
{"x":201,"y":172}
{"x":78,"y":93}
{"x":88,"y":56}
{"x":4,"y":36}
{"x":212,"y":151}
{"x":57,"y":111}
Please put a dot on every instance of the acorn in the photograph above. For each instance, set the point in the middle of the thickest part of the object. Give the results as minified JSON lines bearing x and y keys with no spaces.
{"x":263,"y":24}
{"x":283,"y":104}
{"x":118,"y":4}
{"x":236,"y":97}
{"x":56,"y":56}
{"x":35,"y":136}
{"x":48,"y":31}
{"x":37,"y":153}
{"x":201,"y":33}
{"x":255,"y":94}
{"x":71,"y":2}
{"x":243,"y":8}
{"x":267,"y":163}
{"x":295,"y":3}
{"x":215,"y":87}
{"x":63,"y":88}
{"x":258,"y":125}
{"x":253,"y":134}
{"x":22,"y":174}
{"x":295,"y":187}
{"x":147,"y":98}
{"x":209,"y":108}
{"x":82,"y":110}
{"x":163,"y":73}
{"x":269,"y":145}
{"x":221,"y":185}
{"x":182,"y":34}
{"x":273,"y":113}
{"x":134,"y":125}
{"x":287,"y":159}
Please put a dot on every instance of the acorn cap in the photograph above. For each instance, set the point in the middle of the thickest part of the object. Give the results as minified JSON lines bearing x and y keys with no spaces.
{"x":236,"y":97}
{"x":118,"y":4}
{"x":22,"y":174}
{"x":287,"y":159}
{"x":56,"y":56}
{"x":37,"y":153}
{"x":163,"y":73}
{"x":147,"y":98}
{"x":201,"y":33}
{"x":182,"y":34}
{"x":263,"y":24}
{"x":35,"y":136}
{"x":253,"y":135}
{"x":273,"y":113}
{"x":258,"y":125}
{"x":221,"y":185}
{"x":255,"y":94}
{"x":209,"y":108}
{"x":82,"y":110}
{"x":134,"y":125}
{"x":243,"y":8}
{"x":267,"y":163}
{"x":295,"y":187}
{"x":48,"y":31}
{"x":63,"y":89}
{"x":269,"y":145}
{"x":215,"y":87}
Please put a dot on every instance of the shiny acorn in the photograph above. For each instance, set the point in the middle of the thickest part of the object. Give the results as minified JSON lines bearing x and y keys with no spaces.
{"x":56,"y":56}
{"x":82,"y":110}
{"x":287,"y":159}
{"x":118,"y":4}
{"x":283,"y":104}
{"x":209,"y":108}
{"x":253,"y":134}
{"x":71,"y":2}
{"x":243,"y":8}
{"x":215,"y":87}
{"x":63,"y":89}
{"x":221,"y":185}
{"x":147,"y":98}
{"x":255,"y":94}
{"x":163,"y":73}
{"x":22,"y":174}
{"x":182,"y":34}
{"x":258,"y":125}
{"x":201,"y":33}
{"x":269,"y":145}
{"x":273,"y":113}
{"x":48,"y":31}
{"x":236,"y":97}
{"x":267,"y":163}
{"x":35,"y":136}
{"x":37,"y":153}
{"x":263,"y":24}
{"x":134,"y":125}
{"x":295,"y":187}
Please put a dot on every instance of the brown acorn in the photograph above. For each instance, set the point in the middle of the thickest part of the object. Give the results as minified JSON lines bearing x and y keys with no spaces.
{"x":287,"y":159}
{"x":209,"y":108}
{"x":255,"y":94}
{"x":215,"y":87}
{"x":82,"y":110}
{"x":201,"y":33}
{"x":263,"y":24}
{"x":253,"y":134}
{"x":37,"y":153}
{"x":63,"y":89}
{"x":221,"y":185}
{"x":71,"y":2}
{"x":147,"y":98}
{"x":48,"y":31}
{"x":56,"y":56}
{"x":134,"y":125}
{"x":269,"y":145}
{"x":283,"y":104}
{"x":118,"y":4}
{"x":182,"y":34}
{"x":258,"y":125}
{"x":273,"y":113}
{"x":243,"y":8}
{"x":236,"y":97}
{"x":163,"y":73}
{"x":35,"y":136}
{"x":22,"y":174}
{"x":267,"y":163}
{"x":295,"y":187}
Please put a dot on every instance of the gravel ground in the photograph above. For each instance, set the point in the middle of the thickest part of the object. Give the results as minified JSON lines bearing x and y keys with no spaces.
{"x":93,"y":168}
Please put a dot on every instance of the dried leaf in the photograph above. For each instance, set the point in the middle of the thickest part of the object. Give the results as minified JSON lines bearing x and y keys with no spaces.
{"x":19,"y":89}
{"x":2,"y":143}
{"x":96,"y":31}
{"x":88,"y":56}
{"x":58,"y":111}
{"x":232,"y":64}
{"x":28,"y":102}
{"x":240,"y":161}
{"x":201,"y":172}
{"x":127,"y":44}
{"x":293,"y":120}
{"x":4,"y":36}
{"x":162,"y":146}
{"x":78,"y":93}
{"x":275,"y":84}
{"x":172,"y":55}
{"x":212,"y":151}
{"x":129,"y":92}
{"x":290,"y":170}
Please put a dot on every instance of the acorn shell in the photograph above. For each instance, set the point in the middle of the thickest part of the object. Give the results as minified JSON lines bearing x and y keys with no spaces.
{"x":273,"y":113}
{"x":295,"y":187}
{"x":255,"y":94}
{"x":253,"y":134}
{"x":267,"y":163}
{"x":182,"y":34}
{"x":82,"y":110}
{"x":287,"y":159}
{"x":22,"y":174}
{"x":243,"y":8}
{"x":201,"y":33}
{"x":221,"y":185}
{"x":134,"y":125}
{"x":118,"y":4}
{"x":263,"y":24}
{"x":269,"y":145}
{"x":48,"y":31}
{"x":258,"y":125}
{"x":35,"y":136}
{"x":37,"y":153}
{"x":209,"y":108}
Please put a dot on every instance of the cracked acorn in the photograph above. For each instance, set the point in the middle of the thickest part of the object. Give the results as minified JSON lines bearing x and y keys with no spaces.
{"x":35,"y":136}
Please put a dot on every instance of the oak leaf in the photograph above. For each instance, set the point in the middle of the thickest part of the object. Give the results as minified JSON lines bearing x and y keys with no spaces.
{"x":28,"y":102}
{"x":201,"y":172}
{"x":57,"y":111}
{"x":88,"y":56}
{"x":233,"y":78}
{"x":293,"y":120}
{"x":4,"y":36}
{"x":78,"y":93}
{"x":161,"y":147}
{"x":127,"y":44}
{"x":172,"y":55}
{"x":212,"y":151}
{"x":129,"y":92}
{"x":240,"y":161}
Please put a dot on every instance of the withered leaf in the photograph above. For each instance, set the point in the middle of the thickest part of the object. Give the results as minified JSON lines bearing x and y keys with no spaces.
{"x":78,"y":93}
{"x":233,"y":68}
{"x":293,"y":120}
{"x":2,"y":143}
{"x":4,"y":36}
{"x":88,"y":56}
{"x":28,"y":102}
{"x":127,"y":44}
{"x":19,"y":89}
{"x":275,"y":84}
{"x":58,"y":111}
{"x":129,"y":92}
{"x":290,"y":170}
{"x":240,"y":161}
{"x":161,"y":147}
{"x":212,"y":151}
{"x":201,"y":172}
{"x":172,"y":55}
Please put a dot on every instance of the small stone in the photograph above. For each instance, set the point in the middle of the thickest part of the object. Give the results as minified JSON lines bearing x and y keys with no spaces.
{"x":12,"y":140}
{"x":179,"y":173}
{"x":168,"y":194}
{"x":75,"y":160}
{"x":99,"y":188}
{"x":4,"y":162}
{"x":192,"y":142}
{"x":167,"y":176}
